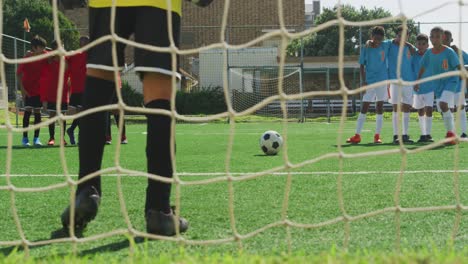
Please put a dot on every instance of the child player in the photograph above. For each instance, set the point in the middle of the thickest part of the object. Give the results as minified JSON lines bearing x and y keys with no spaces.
{"x":49,"y":83}
{"x":29,"y":75}
{"x":407,"y":74}
{"x":437,"y":60}
{"x":373,"y":60}
{"x":459,"y":99}
{"x":423,"y":99}
{"x":77,"y":66}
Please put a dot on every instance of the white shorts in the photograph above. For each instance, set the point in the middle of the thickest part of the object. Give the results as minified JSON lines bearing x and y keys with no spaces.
{"x":406,"y":94}
{"x":377,"y":94}
{"x":457,"y":97}
{"x":446,"y":97}
{"x":423,"y":100}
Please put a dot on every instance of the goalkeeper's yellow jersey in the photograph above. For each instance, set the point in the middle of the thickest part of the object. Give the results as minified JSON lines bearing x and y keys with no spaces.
{"x":176,"y":5}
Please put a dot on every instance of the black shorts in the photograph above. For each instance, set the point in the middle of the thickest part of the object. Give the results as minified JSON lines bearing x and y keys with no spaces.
{"x":75,"y":100}
{"x":32,"y":102}
{"x":52,"y":107}
{"x":149,"y":26}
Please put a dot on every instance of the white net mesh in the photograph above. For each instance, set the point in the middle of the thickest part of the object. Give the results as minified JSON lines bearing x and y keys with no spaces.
{"x":283,"y":90}
{"x":250,"y":86}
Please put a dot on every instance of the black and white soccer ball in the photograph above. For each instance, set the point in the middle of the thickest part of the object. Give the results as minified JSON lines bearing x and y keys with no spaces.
{"x":271,"y":142}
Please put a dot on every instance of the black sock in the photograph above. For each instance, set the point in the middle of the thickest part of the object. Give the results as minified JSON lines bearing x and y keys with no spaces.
{"x":117,"y":117}
{"x":98,"y":92}
{"x":37,"y":120}
{"x":64,"y":129}
{"x":158,"y":157}
{"x":108,"y":126}
{"x":74,"y":124}
{"x":26,"y":117}
{"x":52,"y":131}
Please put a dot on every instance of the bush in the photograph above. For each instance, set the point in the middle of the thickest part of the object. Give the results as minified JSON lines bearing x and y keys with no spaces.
{"x":204,"y":101}
{"x":130,"y":96}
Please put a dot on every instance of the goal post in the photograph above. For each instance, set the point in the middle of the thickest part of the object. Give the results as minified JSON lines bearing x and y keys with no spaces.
{"x":250,"y":85}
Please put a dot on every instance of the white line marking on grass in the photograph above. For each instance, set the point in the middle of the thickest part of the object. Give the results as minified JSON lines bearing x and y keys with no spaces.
{"x":249,"y":173}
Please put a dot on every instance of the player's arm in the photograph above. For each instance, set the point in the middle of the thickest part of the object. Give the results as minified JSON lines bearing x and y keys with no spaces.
{"x":202,"y":3}
{"x":19,"y":75}
{"x":362,"y":70}
{"x":420,"y":73}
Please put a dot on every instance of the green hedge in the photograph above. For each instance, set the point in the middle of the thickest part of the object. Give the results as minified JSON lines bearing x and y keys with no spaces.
{"x":204,"y":101}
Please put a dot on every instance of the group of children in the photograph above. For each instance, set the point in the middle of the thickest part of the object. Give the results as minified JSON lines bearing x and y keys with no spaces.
{"x":38,"y":81}
{"x":379,"y":62}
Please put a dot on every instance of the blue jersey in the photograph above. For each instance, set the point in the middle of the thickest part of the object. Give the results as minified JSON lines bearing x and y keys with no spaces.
{"x":425,"y":87}
{"x":407,"y":73}
{"x":375,"y":61}
{"x":465,"y":61}
{"x":441,"y":62}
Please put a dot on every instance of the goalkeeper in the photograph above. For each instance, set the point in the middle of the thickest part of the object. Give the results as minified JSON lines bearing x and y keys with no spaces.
{"x":148,"y":21}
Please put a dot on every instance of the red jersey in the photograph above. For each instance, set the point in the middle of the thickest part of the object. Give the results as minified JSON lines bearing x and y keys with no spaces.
{"x":49,"y":82}
{"x":77,"y":66}
{"x":31,"y":73}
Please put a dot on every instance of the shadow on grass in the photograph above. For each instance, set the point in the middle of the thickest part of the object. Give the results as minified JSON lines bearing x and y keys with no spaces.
{"x":408,"y":146}
{"x":37,"y":148}
{"x":61,"y":233}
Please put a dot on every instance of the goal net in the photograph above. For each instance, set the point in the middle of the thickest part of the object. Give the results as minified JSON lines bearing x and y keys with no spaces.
{"x":249,"y":86}
{"x":318,"y":190}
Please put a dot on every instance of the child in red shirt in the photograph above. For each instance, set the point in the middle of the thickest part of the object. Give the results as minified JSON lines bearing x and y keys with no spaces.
{"x":29,"y":75}
{"x":77,"y":66}
{"x":49,"y":82}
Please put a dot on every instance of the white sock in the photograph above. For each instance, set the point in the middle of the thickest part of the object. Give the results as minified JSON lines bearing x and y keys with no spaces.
{"x":405,"y":123}
{"x":422,"y":124}
{"x":395,"y":123}
{"x":360,"y":122}
{"x":448,"y":120}
{"x":463,"y":120}
{"x":428,"y":125}
{"x":378,"y":123}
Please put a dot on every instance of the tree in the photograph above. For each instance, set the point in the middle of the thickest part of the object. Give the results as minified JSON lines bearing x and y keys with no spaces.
{"x":39,"y":14}
{"x":326,"y":42}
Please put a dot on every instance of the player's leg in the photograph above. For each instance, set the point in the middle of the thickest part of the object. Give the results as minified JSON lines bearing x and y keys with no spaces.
{"x":429,"y":110}
{"x":369,"y":96}
{"x":108,"y":137}
{"x":51,"y":109}
{"x":74,"y":108}
{"x":395,"y":99}
{"x":406,"y":100}
{"x":445,"y":103}
{"x":99,"y":89}
{"x":37,"y":121}
{"x":419,"y":106}
{"x":28,"y":108}
{"x":460,"y":104}
{"x":157,"y":71}
{"x":381,"y":96}
{"x":123,"y":138}
{"x":64,"y":110}
{"x":463,"y":125}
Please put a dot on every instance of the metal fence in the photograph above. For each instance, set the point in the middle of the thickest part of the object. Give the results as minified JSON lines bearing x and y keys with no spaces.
{"x":13,"y":48}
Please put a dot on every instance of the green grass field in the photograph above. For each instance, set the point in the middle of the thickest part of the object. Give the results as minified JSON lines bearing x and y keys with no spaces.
{"x":368,"y":184}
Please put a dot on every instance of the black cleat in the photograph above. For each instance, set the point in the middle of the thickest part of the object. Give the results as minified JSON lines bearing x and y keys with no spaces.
{"x":429,"y":138}
{"x":395,"y":140}
{"x":422,"y":139}
{"x":159,"y":223}
{"x":463,"y":135}
{"x":407,"y":140}
{"x":86,"y":208}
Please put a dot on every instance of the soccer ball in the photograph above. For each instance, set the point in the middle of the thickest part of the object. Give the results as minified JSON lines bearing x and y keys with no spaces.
{"x":271,"y":142}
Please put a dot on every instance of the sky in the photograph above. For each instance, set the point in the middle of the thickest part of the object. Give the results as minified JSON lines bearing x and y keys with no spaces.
{"x":417,"y":10}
